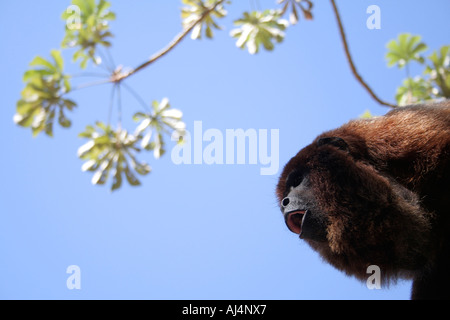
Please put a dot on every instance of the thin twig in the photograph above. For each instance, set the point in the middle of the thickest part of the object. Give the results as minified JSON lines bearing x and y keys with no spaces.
{"x":103,"y":65}
{"x":111,"y":104}
{"x":350,"y":60}
{"x":106,"y":61}
{"x":89,"y":74}
{"x":119,"y":108}
{"x":110,"y":57}
{"x":87,"y":85}
{"x":175,"y":41}
{"x":137,"y":97}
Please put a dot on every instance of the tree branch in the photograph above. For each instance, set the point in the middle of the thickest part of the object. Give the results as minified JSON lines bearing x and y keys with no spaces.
{"x":350,"y":60}
{"x":174,"y":42}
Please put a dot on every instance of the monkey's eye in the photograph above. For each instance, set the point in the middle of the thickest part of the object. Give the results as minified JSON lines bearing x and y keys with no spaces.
{"x":294,"y":179}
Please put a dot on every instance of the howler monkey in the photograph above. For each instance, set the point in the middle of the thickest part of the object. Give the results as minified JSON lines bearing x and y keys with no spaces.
{"x":377,"y":192}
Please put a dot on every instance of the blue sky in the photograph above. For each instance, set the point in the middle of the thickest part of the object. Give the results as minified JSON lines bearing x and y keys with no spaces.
{"x":191,"y":231}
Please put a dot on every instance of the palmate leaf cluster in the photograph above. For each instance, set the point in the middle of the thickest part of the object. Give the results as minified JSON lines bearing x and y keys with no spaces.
{"x":434,"y":83}
{"x":42,"y":99}
{"x":111,"y":153}
{"x":259,"y":28}
{"x":87,"y":29}
{"x":153,"y":125}
{"x":438,"y":70}
{"x":405,"y":49}
{"x":254,"y":30}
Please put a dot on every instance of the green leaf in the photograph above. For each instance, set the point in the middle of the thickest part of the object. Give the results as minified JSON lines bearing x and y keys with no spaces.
{"x":117,"y":176}
{"x":89,"y":165}
{"x":49,"y":123}
{"x":99,"y":177}
{"x":69,"y":104}
{"x":39,"y":61}
{"x":87,"y":133}
{"x":137,"y":116}
{"x":102,"y":6}
{"x":366,"y":115}
{"x":142,"y":169}
{"x":56,"y":54}
{"x":67,"y":86}
{"x":293,"y":18}
{"x":109,"y":16}
{"x":63,"y":121}
{"x":103,"y":139}
{"x":131,"y":178}
{"x":84,"y":62}
{"x":102,"y":126}
{"x":23,"y":120}
{"x":86,"y":6}
{"x":85,"y":149}
{"x":24,"y":107}
{"x":36,"y":130}
{"x":30,"y":74}
{"x":78,"y":55}
{"x":209,"y":33}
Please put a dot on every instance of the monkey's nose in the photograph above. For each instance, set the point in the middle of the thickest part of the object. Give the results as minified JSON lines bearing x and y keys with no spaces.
{"x":285,"y":202}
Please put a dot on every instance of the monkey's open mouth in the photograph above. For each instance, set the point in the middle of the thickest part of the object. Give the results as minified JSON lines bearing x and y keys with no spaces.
{"x":294,"y":220}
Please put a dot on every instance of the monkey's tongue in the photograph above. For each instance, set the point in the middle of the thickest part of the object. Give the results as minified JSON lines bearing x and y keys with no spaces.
{"x":294,"y":221}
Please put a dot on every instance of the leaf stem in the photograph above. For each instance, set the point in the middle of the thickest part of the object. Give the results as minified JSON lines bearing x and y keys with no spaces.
{"x":106,"y":61}
{"x":111,"y":104}
{"x":119,"y":109}
{"x":137,"y":97}
{"x":350,"y":59}
{"x":89,"y":74}
{"x":91,"y":84}
{"x":111,"y":59}
{"x":410,"y":91}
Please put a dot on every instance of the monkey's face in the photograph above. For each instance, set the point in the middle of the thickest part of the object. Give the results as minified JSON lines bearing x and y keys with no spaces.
{"x":300,"y":210}
{"x":353,"y":215}
{"x":308,"y":188}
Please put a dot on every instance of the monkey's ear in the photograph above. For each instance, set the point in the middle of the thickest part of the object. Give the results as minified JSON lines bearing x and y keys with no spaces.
{"x":334,"y":141}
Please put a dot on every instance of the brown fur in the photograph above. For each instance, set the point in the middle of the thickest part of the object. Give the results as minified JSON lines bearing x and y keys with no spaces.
{"x":387,"y":199}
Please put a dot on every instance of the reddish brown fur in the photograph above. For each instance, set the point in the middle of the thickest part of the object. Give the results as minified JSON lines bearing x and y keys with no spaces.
{"x":387,"y":199}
